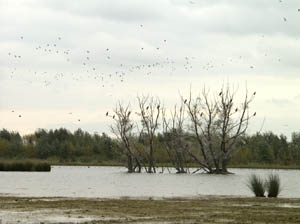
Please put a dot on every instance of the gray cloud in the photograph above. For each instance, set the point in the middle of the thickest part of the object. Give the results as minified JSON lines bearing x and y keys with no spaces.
{"x":206,"y":43}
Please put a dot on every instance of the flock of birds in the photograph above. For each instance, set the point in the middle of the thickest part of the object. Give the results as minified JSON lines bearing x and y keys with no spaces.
{"x":88,"y":64}
{"x":90,"y":70}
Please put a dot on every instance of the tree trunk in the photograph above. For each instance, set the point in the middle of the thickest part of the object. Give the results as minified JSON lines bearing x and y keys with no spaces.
{"x":151,"y":161}
{"x":224,"y":165}
{"x":138,"y":165}
{"x":129,"y":164}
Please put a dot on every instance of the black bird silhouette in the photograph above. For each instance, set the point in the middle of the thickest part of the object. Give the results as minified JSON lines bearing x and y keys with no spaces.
{"x":147,"y":107}
{"x":220,"y":93}
{"x":107,"y":113}
{"x":12,"y":111}
{"x":254,"y":93}
{"x":254,"y":114}
{"x":201,"y":114}
{"x":129,"y":113}
{"x":79,"y":120}
{"x":114,"y":117}
{"x":158,"y":107}
{"x":20,"y":116}
{"x":185,"y":100}
{"x":236,"y":109}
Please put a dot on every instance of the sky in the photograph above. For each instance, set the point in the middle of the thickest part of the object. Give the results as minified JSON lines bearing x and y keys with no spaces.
{"x":66,"y":63}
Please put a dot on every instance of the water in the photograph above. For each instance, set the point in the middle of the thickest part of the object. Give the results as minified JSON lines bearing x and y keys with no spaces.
{"x":114,"y":182}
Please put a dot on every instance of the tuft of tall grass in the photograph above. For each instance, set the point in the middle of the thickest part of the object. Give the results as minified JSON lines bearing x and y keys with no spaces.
{"x":256,"y":185}
{"x":24,"y":166}
{"x":273,"y":185}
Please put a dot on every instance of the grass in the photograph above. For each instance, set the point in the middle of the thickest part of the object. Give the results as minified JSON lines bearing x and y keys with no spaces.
{"x":256,"y":185}
{"x":190,"y":165}
{"x":273,"y":185}
{"x":265,"y":166}
{"x":94,"y":162}
{"x":202,"y":210}
{"x":25,"y":165}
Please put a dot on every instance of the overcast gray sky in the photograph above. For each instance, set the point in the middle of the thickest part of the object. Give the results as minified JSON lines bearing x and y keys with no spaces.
{"x":61,"y":61}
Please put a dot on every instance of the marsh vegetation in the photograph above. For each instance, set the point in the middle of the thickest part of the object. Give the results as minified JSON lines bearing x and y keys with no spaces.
{"x":271,"y":184}
{"x":177,"y":210}
{"x":25,"y":165}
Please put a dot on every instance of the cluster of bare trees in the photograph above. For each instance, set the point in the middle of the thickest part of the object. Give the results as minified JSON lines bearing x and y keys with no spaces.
{"x":202,"y":129}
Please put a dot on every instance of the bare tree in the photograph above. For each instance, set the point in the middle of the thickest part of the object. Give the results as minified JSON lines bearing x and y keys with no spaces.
{"x":123,"y":129}
{"x":217,"y":122}
{"x":150,"y":110}
{"x":174,"y":134}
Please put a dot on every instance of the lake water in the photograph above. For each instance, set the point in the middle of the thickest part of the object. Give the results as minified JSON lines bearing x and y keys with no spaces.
{"x":114,"y":182}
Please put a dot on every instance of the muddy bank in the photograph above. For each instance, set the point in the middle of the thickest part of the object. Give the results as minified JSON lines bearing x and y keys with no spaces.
{"x":176,"y":210}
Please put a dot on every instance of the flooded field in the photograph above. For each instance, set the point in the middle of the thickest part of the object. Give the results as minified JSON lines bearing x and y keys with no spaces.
{"x":114,"y":182}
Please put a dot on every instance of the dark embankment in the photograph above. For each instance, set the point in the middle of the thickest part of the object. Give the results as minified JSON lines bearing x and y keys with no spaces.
{"x":26,"y":166}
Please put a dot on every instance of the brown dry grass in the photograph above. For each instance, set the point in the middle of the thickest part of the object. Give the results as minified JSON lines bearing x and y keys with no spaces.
{"x":201,"y":210}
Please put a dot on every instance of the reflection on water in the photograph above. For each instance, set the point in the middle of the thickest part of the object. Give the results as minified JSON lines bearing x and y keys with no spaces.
{"x":114,"y":182}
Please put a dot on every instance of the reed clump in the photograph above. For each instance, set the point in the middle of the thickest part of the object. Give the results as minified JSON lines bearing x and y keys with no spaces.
{"x":256,"y":185}
{"x":273,"y":185}
{"x":33,"y":166}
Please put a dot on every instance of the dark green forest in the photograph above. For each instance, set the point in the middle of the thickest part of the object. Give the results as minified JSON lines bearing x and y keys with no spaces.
{"x":62,"y":146}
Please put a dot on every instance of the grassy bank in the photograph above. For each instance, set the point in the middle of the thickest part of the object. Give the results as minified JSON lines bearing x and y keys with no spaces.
{"x":266,"y":166}
{"x":203,"y":210}
{"x":55,"y":162}
{"x":25,"y":165}
{"x":115,"y":163}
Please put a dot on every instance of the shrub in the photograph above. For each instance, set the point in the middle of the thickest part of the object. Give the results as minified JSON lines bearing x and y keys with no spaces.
{"x":42,"y":167}
{"x":273,"y":185}
{"x":24,"y":166}
{"x":256,"y":185}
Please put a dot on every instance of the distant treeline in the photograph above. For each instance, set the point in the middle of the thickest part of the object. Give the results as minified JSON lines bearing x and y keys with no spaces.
{"x":62,"y":146}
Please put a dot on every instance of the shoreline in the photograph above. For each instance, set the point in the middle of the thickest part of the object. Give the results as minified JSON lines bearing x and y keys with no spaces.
{"x":160,"y":165}
{"x":208,"y":209}
{"x":253,"y":166}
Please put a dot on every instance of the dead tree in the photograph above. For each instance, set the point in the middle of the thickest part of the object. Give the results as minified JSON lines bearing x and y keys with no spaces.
{"x":174,"y":138}
{"x":123,"y":129}
{"x":149,"y":113}
{"x":217,"y":122}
